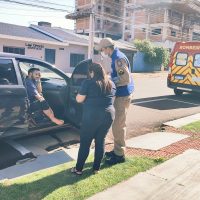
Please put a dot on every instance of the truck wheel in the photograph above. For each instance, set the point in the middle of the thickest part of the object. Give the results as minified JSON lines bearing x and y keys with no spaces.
{"x":178,"y":92}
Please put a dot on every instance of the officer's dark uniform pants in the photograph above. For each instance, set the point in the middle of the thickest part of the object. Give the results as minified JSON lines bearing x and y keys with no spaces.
{"x":96,"y":123}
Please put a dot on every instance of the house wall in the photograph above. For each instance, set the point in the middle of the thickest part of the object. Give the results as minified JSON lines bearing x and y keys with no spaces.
{"x":62,"y":58}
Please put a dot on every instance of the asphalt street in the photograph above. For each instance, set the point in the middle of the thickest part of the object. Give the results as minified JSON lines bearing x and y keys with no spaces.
{"x":154,"y":103}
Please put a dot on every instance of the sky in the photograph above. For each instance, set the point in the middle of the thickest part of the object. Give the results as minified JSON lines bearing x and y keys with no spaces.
{"x":24,"y":15}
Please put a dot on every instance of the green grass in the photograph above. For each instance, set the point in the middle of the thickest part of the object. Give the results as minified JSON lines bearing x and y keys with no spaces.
{"x":58,"y":183}
{"x":194,"y":127}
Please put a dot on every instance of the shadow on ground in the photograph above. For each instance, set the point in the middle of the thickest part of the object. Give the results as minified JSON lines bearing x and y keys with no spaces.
{"x":169,"y":102}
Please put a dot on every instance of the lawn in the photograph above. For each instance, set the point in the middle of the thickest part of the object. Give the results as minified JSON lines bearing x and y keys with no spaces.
{"x":58,"y":183}
{"x":194,"y":127}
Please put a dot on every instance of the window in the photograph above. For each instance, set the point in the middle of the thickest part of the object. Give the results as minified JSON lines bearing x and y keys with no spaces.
{"x":117,"y":1}
{"x":196,"y":36}
{"x":156,"y":31}
{"x":127,"y":27}
{"x":117,"y":13}
{"x":173,"y":33}
{"x":181,"y":59}
{"x":197,"y":60}
{"x":50,"y":55}
{"x":107,"y":9}
{"x":99,"y":7}
{"x":176,"y":14}
{"x":106,"y":22}
{"x":7,"y":72}
{"x":80,"y":73}
{"x":75,"y":59}
{"x":115,"y":24}
{"x":16,"y":50}
{"x":45,"y":72}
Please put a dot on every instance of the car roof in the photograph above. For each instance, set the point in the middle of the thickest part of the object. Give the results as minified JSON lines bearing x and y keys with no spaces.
{"x":12,"y":55}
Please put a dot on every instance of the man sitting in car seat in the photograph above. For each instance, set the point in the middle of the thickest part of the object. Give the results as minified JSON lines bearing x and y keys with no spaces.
{"x":37,"y":101}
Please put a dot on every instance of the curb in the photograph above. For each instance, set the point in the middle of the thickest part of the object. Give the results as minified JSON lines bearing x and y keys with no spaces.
{"x":178,"y":123}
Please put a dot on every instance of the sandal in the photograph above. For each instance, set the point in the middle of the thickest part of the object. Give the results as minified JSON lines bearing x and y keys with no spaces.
{"x":75,"y":171}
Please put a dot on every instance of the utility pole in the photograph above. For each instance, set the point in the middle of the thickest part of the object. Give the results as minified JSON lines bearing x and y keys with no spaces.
{"x":124,"y":20}
{"x":91,"y":31}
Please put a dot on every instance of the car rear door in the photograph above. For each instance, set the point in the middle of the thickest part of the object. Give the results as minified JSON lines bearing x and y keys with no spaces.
{"x":181,"y":69}
{"x":13,"y":99}
{"x":196,"y":69}
{"x":80,"y":73}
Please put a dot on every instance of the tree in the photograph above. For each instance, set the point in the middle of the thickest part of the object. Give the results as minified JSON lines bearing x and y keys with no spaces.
{"x":152,"y":54}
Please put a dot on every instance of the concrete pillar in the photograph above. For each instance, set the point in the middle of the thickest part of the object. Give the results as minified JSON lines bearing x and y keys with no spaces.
{"x":133,"y":23}
{"x":182,"y":26}
{"x":164,"y":32}
{"x":124,"y":21}
{"x":148,"y":24}
{"x":102,"y":14}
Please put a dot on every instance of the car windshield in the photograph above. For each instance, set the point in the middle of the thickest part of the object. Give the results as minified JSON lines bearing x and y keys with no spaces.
{"x":45,"y":72}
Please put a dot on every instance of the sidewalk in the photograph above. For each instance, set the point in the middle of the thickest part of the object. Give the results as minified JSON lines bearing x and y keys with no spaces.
{"x":176,"y":179}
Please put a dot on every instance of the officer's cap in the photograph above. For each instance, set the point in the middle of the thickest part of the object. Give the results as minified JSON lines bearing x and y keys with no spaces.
{"x":105,"y":42}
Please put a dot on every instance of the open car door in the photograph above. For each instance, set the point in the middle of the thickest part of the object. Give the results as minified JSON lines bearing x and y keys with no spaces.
{"x":13,"y":100}
{"x":54,"y":86}
{"x":80,"y":73}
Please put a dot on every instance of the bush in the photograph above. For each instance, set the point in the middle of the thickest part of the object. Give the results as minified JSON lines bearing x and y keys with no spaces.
{"x":152,"y":54}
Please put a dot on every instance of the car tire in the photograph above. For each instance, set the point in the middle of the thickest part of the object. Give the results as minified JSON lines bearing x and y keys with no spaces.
{"x":178,"y":92}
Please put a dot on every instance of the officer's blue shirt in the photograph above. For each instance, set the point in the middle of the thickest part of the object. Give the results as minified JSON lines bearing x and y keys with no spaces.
{"x":95,"y":96}
{"x":31,"y":87}
{"x":121,"y":90}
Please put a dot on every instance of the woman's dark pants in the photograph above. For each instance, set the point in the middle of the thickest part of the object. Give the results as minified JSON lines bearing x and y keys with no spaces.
{"x":95,"y":125}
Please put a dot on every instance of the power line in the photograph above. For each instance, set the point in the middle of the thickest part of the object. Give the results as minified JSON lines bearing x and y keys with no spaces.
{"x":51,"y":3}
{"x":1,"y":13}
{"x":35,"y":5}
{"x":28,"y":10}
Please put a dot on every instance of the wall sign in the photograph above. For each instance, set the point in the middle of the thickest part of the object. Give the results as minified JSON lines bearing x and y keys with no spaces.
{"x":34,"y":46}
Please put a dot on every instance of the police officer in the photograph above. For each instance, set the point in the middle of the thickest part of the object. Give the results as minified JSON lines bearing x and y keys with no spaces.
{"x":123,"y":80}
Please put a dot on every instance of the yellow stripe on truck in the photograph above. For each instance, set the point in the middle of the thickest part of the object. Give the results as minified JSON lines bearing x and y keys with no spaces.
{"x":185,"y":70}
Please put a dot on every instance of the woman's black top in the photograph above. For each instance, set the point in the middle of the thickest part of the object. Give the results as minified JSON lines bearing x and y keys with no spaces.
{"x":96,"y":97}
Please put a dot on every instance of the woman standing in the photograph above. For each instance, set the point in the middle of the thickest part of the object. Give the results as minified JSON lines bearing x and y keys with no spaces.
{"x":97,"y":93}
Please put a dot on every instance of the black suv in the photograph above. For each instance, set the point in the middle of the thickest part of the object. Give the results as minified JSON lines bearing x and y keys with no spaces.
{"x":58,"y":89}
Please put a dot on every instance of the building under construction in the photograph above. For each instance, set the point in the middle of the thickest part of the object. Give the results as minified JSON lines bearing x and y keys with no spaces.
{"x":162,"y":21}
{"x":108,"y":17}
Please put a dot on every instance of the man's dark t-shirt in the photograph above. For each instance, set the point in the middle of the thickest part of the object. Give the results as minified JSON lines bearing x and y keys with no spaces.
{"x":31,"y":86}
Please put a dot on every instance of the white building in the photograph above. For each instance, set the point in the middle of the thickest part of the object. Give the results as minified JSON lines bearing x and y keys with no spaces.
{"x":58,"y":46}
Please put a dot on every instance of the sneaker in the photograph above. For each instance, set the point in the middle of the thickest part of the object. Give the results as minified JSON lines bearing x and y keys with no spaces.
{"x":95,"y":171}
{"x":115,"y":160}
{"x":109,"y":154}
